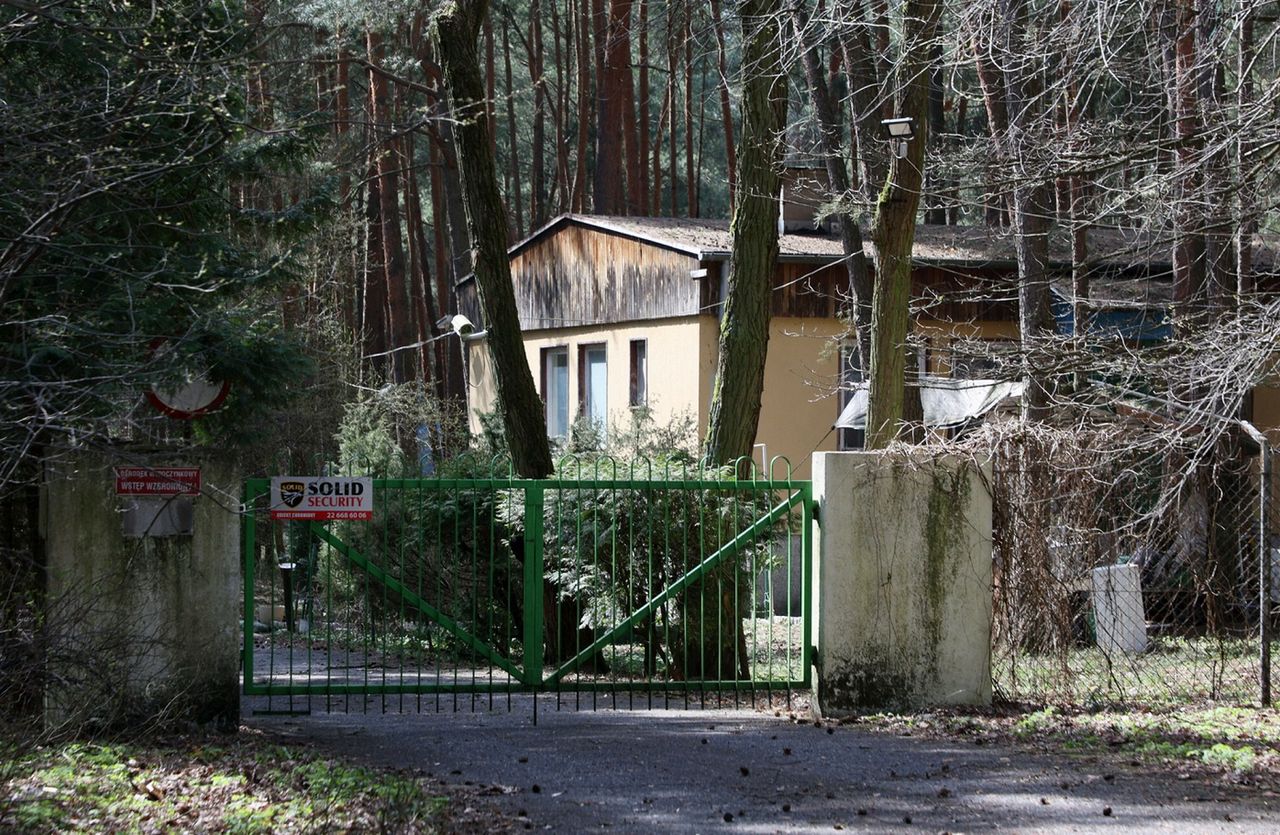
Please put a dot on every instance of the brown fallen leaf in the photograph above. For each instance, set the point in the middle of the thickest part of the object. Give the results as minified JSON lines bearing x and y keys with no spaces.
{"x":150,"y":789}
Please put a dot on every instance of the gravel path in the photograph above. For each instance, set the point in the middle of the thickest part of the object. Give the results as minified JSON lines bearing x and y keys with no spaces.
{"x":710,"y":770}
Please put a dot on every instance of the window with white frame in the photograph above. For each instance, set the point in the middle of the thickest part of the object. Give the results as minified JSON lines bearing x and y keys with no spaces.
{"x":593,"y":381}
{"x":555,"y":390}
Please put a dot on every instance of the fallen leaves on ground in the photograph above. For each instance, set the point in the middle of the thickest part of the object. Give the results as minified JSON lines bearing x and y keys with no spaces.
{"x":217,"y":783}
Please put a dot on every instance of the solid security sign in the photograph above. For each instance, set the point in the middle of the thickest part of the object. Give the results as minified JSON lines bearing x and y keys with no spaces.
{"x":321,"y":498}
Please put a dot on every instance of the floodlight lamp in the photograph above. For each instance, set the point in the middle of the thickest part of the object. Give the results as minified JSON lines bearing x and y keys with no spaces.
{"x":899,"y":128}
{"x":462,"y":325}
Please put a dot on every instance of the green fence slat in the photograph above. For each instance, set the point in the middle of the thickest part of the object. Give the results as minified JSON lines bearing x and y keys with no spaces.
{"x":807,"y":648}
{"x":248,"y":520}
{"x":533,"y":584}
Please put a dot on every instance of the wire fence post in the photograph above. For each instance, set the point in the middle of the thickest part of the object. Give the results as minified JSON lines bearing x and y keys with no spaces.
{"x":1264,"y":575}
{"x":533,"y":571}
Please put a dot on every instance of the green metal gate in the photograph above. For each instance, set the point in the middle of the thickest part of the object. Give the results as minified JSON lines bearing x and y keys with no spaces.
{"x":607,"y":590}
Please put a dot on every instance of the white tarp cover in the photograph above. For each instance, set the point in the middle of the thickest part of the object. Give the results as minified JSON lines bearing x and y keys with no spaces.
{"x":946,"y":402}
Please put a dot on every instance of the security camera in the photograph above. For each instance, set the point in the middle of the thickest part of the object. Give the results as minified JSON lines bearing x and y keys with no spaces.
{"x":461,"y":325}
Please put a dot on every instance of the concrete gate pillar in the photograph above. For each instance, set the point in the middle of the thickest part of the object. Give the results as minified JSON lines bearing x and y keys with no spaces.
{"x":904,"y":582}
{"x":144,"y":593}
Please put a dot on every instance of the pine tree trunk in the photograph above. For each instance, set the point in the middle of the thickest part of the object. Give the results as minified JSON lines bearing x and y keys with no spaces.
{"x":449,"y":362}
{"x":655,"y":182}
{"x":673,"y":62}
{"x":608,"y":189}
{"x":400,"y":362}
{"x":456,"y":27}
{"x":563,"y":58}
{"x":837,"y":175}
{"x":690,"y":175}
{"x":627,"y":107}
{"x":425,"y":311}
{"x":538,"y":160}
{"x":579,"y":200}
{"x":374,"y":299}
{"x":726,"y":108}
{"x":642,"y":103}
{"x":513,"y":137}
{"x":744,"y":327}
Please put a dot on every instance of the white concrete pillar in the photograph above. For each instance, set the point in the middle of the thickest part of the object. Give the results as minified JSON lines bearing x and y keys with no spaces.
{"x":904,"y":582}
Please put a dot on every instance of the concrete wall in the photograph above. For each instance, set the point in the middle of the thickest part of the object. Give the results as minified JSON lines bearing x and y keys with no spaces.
{"x":904,"y":582}
{"x":140,"y":625}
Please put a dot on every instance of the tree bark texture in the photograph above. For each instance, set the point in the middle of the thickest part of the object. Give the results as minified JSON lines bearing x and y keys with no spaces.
{"x":513,"y":136}
{"x":690,"y":174}
{"x":865,"y":83}
{"x":1031,"y":195}
{"x":455,"y":30}
{"x":744,"y":326}
{"x":538,"y":165}
{"x":373,"y":301}
{"x":399,"y":321}
{"x":642,"y":110}
{"x":893,"y":232}
{"x":610,"y":181}
{"x":726,"y":107}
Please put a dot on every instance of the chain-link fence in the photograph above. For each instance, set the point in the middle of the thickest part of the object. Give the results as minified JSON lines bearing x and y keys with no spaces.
{"x":1130,"y":569}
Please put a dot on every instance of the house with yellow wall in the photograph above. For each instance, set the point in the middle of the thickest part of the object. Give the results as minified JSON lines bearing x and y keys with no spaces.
{"x":620,"y":313}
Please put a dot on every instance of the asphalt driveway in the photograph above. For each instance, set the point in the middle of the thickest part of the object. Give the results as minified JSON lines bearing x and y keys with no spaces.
{"x":689,"y":771}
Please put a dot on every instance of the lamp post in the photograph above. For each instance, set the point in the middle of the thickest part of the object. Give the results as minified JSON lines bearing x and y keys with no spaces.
{"x":901,"y":130}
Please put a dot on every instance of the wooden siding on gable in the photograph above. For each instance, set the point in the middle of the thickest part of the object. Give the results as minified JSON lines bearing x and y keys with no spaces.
{"x":579,"y":276}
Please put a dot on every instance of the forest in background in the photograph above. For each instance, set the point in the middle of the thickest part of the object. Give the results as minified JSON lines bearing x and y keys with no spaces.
{"x":330,"y":162}
{"x":1159,"y":117}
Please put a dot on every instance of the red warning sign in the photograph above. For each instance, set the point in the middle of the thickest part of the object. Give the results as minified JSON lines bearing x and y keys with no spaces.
{"x":157,"y":481}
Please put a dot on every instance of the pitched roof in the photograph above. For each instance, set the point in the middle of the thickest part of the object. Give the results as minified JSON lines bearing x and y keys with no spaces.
{"x":968,"y":246}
